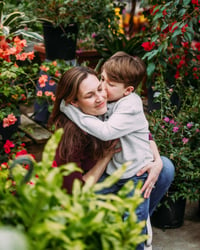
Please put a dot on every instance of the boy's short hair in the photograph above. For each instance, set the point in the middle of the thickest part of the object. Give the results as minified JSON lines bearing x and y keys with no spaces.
{"x":124,"y":68}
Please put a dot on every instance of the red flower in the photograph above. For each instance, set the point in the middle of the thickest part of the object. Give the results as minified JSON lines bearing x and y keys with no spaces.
{"x":183,"y":29}
{"x":22,"y":152}
{"x":54,"y":164}
{"x":173,"y":27}
{"x":7,"y":146}
{"x":197,"y":46}
{"x":177,"y":75}
{"x":153,"y":11}
{"x":148,"y":46}
{"x":195,"y":2}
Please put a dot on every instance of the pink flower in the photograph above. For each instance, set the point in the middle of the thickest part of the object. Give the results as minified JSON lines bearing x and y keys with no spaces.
{"x":166,"y":119}
{"x":189,"y":125}
{"x":39,"y":93}
{"x":52,"y":82}
{"x":185,"y":140}
{"x":47,"y":93}
{"x":94,"y":35}
{"x":9,"y":120}
{"x":175,"y":129}
{"x":172,"y":121}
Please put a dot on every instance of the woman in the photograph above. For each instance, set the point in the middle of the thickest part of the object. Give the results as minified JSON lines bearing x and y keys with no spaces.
{"x":80,"y":85}
{"x":90,"y":154}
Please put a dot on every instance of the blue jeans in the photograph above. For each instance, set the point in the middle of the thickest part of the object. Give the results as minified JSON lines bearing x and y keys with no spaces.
{"x":161,"y":186}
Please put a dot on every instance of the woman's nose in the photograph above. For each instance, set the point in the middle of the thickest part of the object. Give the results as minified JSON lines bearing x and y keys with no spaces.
{"x":99,"y":97}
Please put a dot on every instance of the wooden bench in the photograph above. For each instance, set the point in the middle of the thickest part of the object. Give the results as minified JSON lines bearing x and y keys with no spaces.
{"x":36,"y":136}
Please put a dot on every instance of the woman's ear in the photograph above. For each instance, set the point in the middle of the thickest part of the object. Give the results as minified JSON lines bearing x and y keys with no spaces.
{"x":128,"y":90}
{"x":74,"y":103}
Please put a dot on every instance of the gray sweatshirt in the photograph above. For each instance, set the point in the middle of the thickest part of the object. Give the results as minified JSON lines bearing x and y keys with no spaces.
{"x":125,"y":120}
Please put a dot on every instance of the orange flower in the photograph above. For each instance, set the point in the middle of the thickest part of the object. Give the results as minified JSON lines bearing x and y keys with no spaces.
{"x":44,"y":68}
{"x":42,"y":80}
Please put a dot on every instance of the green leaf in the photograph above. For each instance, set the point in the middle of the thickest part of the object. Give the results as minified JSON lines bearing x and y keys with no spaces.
{"x":186,"y":2}
{"x":182,"y":12}
{"x":10,"y":18}
{"x":150,"y":68}
{"x":188,"y":36}
{"x":50,"y":148}
{"x":111,"y":179}
{"x":29,"y":34}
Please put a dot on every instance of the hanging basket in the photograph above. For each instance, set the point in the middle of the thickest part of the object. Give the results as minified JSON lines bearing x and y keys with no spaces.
{"x":60,"y":42}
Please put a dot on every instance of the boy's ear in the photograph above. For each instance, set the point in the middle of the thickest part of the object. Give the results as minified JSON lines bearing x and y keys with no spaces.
{"x":74,"y":103}
{"x":128,"y":90}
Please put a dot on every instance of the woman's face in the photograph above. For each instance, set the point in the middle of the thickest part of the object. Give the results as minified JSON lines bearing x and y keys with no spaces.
{"x":92,"y":97}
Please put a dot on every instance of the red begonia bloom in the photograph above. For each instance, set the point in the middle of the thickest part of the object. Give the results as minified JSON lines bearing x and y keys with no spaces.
{"x":148,"y":46}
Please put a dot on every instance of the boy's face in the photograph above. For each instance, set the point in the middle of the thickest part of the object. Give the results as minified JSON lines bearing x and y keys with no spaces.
{"x":115,"y":90}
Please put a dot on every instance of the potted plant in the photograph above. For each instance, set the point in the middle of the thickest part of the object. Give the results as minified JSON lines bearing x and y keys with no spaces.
{"x":18,"y":71}
{"x":84,"y":16}
{"x":16,"y":82}
{"x":177,"y":136}
{"x":49,"y":75}
{"x":33,"y":201}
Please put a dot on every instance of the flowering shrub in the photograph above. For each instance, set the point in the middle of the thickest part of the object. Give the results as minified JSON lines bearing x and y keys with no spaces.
{"x":173,"y":45}
{"x":177,"y":134}
{"x":50,"y":73}
{"x":88,"y":43}
{"x":173,"y":65}
{"x":16,"y":79}
{"x":11,"y":150}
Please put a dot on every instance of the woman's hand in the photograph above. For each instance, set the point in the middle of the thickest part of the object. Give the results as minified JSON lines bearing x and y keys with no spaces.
{"x":153,"y":169}
{"x":114,"y":148}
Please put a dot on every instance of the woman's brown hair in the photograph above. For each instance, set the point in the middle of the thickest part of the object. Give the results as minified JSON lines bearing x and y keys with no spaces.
{"x":74,"y":140}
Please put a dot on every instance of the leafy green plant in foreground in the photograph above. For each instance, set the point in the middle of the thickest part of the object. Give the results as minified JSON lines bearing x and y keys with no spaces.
{"x":52,"y":219}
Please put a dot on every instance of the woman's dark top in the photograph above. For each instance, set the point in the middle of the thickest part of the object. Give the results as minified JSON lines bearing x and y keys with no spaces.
{"x":83,"y":161}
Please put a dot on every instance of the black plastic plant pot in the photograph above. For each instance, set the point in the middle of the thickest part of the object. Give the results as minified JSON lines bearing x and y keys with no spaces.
{"x":169,"y":214}
{"x":7,"y":132}
{"x":60,"y":42}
